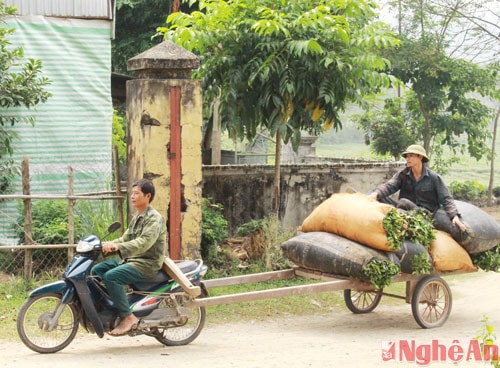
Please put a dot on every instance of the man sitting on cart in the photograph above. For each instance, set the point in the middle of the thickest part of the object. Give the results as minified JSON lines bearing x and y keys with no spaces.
{"x":420,"y":187}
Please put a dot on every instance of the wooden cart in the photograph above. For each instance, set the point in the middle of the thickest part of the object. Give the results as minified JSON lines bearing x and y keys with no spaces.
{"x":429,"y":295}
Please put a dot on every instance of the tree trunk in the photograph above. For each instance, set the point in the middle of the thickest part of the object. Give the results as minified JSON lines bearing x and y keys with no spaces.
{"x":277,"y":169}
{"x":176,"y":6}
{"x":28,"y":220}
{"x":492,"y":166}
{"x":427,"y":125}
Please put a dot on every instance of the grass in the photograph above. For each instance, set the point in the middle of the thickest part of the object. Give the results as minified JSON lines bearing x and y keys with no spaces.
{"x":13,"y":292}
{"x":260,"y":310}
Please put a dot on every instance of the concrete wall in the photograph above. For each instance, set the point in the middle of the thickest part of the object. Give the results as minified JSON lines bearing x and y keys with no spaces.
{"x":246,"y":191}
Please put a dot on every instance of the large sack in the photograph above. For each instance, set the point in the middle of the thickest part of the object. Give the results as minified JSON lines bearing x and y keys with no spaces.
{"x":483,"y":231}
{"x":407,"y":253}
{"x":448,"y":255}
{"x":331,"y":253}
{"x":352,"y":215}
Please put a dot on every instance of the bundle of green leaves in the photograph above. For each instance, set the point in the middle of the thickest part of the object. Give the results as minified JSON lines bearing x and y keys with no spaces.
{"x":380,"y":272}
{"x":488,"y":260}
{"x":421,"y":264}
{"x":415,"y":225}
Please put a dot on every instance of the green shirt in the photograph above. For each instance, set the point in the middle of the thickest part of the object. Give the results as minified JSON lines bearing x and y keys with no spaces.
{"x":144,"y":242}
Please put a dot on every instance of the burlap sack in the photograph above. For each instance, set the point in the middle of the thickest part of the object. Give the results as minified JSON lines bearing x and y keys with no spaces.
{"x":333,"y":254}
{"x":448,"y":255}
{"x":354,"y":216}
{"x":483,"y":231}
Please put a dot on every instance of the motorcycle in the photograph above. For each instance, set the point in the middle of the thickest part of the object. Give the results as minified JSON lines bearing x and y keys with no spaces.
{"x":51,"y":315}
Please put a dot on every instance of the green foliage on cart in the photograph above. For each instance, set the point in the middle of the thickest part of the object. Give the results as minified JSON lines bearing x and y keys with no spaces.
{"x":415,"y":225}
{"x":380,"y":272}
{"x":414,"y":258}
{"x":421,"y":264}
{"x":488,"y":260}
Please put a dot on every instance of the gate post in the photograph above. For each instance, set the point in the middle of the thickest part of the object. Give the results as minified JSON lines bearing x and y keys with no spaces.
{"x":164,"y":117}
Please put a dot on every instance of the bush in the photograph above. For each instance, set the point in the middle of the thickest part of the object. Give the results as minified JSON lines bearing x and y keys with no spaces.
{"x":96,"y":216}
{"x":266,"y":236}
{"x":467,"y":190}
{"x":50,"y":223}
{"x":214,"y":229}
{"x":50,"y":226}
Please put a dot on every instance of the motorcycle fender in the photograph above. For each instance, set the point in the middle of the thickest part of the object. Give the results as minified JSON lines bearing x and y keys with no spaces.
{"x":58,"y":287}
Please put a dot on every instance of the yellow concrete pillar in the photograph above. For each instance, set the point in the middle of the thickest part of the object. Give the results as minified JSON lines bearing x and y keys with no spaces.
{"x":162,"y":95}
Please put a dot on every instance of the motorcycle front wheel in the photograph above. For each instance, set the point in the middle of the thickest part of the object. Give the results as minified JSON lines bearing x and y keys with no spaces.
{"x":38,"y":330}
{"x":189,"y":330}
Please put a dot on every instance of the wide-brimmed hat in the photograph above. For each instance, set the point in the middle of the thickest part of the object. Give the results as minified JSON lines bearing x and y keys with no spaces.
{"x":417,"y":150}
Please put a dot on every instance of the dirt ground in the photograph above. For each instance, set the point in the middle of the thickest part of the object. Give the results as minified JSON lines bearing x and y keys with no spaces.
{"x":493,"y":211}
{"x":337,"y":339}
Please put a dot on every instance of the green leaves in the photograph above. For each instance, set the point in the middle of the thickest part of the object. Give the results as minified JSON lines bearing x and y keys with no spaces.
{"x":487,"y":340}
{"x":214,"y":228}
{"x":380,"y":272}
{"x":21,"y":86}
{"x":300,"y":47}
{"x":442,"y":102}
{"x":421,"y":264}
{"x":415,"y":225}
{"x":270,"y":60}
{"x":488,"y":260}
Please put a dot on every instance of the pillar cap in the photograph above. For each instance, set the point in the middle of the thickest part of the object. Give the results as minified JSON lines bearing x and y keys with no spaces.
{"x":163,"y":61}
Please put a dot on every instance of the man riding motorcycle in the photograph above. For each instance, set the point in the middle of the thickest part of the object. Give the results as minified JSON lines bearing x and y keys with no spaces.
{"x":141,"y":252}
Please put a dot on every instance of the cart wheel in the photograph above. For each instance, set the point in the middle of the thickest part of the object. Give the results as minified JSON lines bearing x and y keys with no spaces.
{"x":431,"y":302}
{"x":360,"y":302}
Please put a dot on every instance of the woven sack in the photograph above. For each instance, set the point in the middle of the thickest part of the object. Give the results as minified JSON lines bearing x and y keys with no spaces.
{"x":448,"y":255}
{"x":354,"y":216}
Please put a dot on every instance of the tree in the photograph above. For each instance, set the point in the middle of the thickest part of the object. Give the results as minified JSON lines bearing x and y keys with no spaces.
{"x":21,"y":89}
{"x":133,"y":32}
{"x":492,"y":164}
{"x":442,"y":104}
{"x":466,"y":30}
{"x":386,"y":131}
{"x":446,"y":41}
{"x":286,"y":66}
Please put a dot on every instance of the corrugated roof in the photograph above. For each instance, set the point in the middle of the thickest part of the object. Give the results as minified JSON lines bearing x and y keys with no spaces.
{"x":92,"y":9}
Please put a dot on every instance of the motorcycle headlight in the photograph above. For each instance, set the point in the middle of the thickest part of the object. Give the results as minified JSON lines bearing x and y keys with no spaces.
{"x":87,"y":244}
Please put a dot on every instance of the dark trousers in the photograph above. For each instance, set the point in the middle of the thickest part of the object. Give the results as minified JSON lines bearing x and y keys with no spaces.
{"x":116,"y":276}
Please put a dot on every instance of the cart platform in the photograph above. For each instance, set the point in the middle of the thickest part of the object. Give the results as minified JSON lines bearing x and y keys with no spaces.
{"x":429,"y":295}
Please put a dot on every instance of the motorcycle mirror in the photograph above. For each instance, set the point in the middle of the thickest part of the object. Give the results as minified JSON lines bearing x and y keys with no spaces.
{"x":114,"y":226}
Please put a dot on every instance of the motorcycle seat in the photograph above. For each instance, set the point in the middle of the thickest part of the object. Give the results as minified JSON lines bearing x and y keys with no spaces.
{"x":187,"y":266}
{"x":144,"y":285}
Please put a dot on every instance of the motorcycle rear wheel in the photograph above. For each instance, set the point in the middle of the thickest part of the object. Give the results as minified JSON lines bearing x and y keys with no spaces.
{"x":186,"y":333}
{"x":33,"y":318}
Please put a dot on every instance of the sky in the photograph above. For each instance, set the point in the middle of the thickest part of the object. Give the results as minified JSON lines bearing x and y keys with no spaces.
{"x":488,"y":16}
